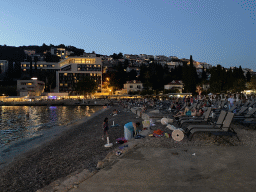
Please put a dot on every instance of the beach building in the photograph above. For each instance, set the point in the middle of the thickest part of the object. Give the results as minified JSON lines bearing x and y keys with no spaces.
{"x":175,"y":84}
{"x":75,"y":69}
{"x":31,"y":87}
{"x":133,"y":86}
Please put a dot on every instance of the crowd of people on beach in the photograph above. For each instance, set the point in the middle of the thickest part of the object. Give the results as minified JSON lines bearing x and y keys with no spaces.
{"x":175,"y":106}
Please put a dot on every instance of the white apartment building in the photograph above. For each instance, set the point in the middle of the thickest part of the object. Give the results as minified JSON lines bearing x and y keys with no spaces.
{"x":74,"y":69}
{"x":30,"y":52}
{"x":31,"y":87}
{"x":60,"y":52}
{"x":175,"y":84}
{"x":161,"y":58}
{"x":171,"y":64}
{"x":133,"y":86}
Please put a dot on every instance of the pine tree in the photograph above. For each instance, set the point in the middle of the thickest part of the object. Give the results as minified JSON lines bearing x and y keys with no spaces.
{"x":248,"y":76}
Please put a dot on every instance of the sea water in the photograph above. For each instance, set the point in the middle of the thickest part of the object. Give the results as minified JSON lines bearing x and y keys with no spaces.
{"x":24,"y":127}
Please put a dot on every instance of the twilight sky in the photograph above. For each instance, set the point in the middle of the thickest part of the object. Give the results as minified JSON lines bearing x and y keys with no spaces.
{"x":213,"y":31}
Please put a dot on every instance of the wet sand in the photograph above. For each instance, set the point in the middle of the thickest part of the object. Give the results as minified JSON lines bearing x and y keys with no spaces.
{"x":78,"y":148}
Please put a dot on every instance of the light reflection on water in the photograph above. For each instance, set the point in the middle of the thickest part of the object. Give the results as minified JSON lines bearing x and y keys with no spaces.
{"x":26,"y":122}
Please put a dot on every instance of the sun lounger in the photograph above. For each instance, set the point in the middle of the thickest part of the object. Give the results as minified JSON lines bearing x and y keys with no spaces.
{"x":232,"y":108}
{"x":248,"y":122}
{"x":241,"y":111}
{"x":199,"y":120}
{"x":225,"y":129}
{"x":246,"y":116}
{"x":191,"y":117}
{"x":218,"y":124}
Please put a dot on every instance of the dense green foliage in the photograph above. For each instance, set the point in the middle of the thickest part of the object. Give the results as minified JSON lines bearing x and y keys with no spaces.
{"x":86,"y":86}
{"x":154,"y":76}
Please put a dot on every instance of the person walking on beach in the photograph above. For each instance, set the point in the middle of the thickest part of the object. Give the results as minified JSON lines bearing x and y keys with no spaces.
{"x":105,"y":128}
{"x":231,"y":101}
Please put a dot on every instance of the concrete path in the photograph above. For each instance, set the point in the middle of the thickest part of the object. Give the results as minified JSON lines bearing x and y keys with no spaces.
{"x":179,"y":169}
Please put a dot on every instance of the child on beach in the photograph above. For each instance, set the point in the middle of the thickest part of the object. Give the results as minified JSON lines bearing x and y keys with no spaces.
{"x":105,"y":128}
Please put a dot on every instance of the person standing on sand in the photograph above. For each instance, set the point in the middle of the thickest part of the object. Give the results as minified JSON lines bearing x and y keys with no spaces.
{"x":231,"y":101}
{"x":133,"y":126}
{"x":105,"y":128}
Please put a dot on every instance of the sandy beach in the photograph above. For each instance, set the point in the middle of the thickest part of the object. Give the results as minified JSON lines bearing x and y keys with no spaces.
{"x":81,"y":147}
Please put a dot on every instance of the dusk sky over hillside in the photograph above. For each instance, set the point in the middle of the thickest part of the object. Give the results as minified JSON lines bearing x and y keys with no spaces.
{"x":213,"y":31}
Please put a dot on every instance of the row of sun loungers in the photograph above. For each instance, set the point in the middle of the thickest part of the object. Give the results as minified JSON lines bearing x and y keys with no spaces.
{"x":239,"y":113}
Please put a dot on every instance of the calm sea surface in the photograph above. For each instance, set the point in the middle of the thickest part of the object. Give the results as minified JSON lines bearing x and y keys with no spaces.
{"x":19,"y":125}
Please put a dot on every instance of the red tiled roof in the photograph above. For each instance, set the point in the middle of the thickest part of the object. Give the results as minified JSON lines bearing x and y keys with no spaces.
{"x":176,"y":82}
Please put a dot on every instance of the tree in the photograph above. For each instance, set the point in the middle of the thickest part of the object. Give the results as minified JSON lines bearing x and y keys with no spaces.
{"x":132,"y":75}
{"x":115,"y":56}
{"x":86,"y":86}
{"x":248,"y":76}
{"x":204,"y":76}
{"x":239,"y":85}
{"x":51,"y":58}
{"x":30,"y":66}
{"x":35,"y":60}
{"x":120,"y":55}
{"x":252,"y":83}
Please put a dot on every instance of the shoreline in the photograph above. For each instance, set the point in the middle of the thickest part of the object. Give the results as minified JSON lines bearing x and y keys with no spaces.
{"x":67,"y":102}
{"x":44,"y":136}
{"x":77,"y":148}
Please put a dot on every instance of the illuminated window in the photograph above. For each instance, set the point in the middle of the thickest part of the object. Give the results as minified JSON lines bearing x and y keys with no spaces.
{"x":94,"y":65}
{"x":24,"y":65}
{"x":41,"y":65}
{"x":90,"y":74}
{"x":45,"y":65}
{"x":53,"y":65}
{"x":78,"y":69}
{"x":77,"y":60}
{"x":66,"y":84}
{"x":33,"y":65}
{"x":24,"y":69}
{"x":65,"y":74}
{"x":98,"y":65}
{"x":29,"y":83}
{"x":83,"y":60}
{"x":61,"y":84}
